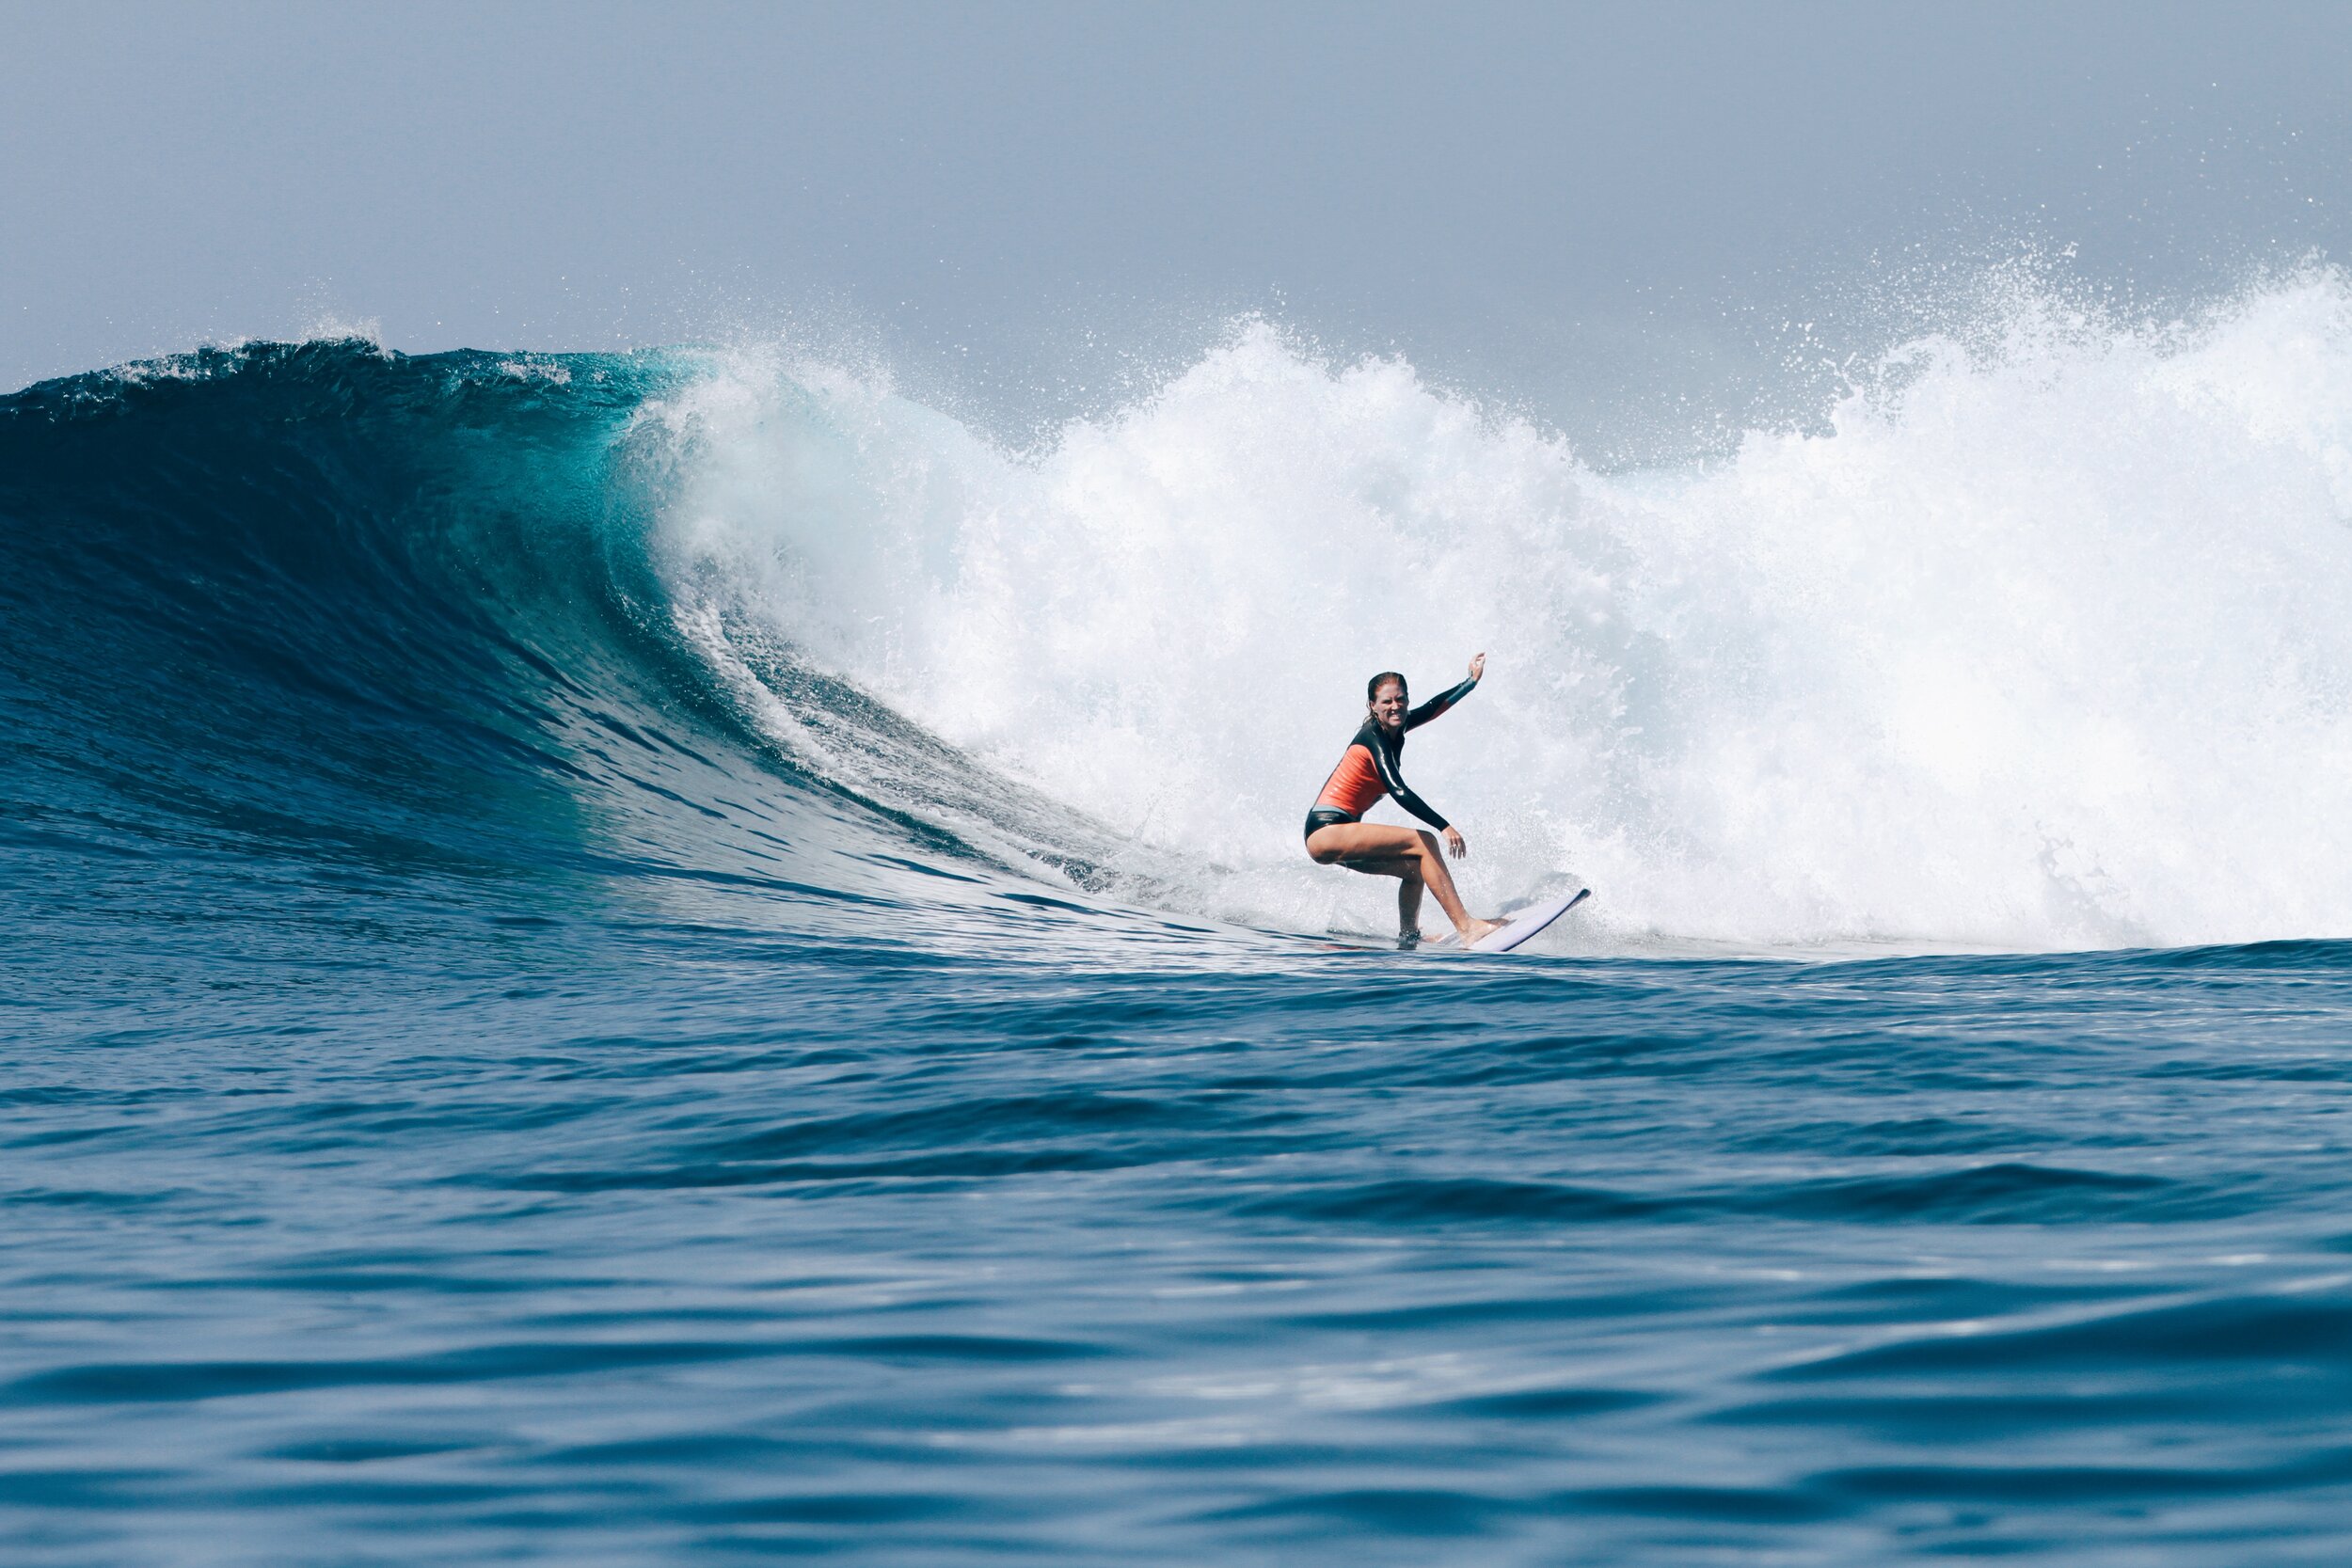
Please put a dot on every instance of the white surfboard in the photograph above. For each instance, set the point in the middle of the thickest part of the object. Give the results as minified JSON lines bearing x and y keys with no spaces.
{"x":1519,"y":924}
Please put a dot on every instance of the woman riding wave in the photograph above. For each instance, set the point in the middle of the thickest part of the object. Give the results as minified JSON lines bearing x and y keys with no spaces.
{"x":1337,"y":834}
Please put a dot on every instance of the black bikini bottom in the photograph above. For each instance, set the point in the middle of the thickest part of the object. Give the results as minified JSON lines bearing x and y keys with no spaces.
{"x":1323,"y":817}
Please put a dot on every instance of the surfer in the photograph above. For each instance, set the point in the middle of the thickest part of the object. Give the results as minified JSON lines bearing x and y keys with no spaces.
{"x":1338,"y":835}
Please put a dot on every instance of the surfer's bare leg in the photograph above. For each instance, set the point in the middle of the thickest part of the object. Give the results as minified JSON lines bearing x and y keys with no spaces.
{"x":1407,"y":870}
{"x":1409,"y":904}
{"x":1380,"y":850}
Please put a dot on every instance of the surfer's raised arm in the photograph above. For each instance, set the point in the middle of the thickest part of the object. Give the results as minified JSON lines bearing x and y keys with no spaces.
{"x":1446,"y":699}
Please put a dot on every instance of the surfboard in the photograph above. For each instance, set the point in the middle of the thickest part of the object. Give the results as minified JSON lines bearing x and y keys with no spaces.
{"x":1519,"y":924}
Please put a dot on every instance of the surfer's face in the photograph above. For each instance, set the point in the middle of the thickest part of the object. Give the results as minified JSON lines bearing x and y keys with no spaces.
{"x":1388,"y":704}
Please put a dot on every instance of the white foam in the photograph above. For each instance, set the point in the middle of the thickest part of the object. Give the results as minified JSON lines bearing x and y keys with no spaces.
{"x":2041,"y":645}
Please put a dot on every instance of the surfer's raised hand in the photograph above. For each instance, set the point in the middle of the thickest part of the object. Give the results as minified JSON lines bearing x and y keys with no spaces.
{"x":1478,"y":665}
{"x":1454,"y":844}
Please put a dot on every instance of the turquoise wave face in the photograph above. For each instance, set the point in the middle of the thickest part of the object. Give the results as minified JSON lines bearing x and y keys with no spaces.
{"x":313,"y":596}
{"x":316,"y":611}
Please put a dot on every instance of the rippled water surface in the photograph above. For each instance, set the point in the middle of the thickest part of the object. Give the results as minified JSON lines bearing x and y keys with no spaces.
{"x":668,"y":1244}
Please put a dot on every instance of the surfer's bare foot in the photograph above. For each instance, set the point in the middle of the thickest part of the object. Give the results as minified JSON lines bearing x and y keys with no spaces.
{"x":1473,"y":929}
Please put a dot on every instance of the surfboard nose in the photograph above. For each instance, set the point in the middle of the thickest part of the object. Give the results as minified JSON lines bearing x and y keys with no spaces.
{"x":1520,"y":925}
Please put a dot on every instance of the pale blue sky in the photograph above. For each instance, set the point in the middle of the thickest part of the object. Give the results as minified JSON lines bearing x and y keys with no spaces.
{"x":1586,"y":208}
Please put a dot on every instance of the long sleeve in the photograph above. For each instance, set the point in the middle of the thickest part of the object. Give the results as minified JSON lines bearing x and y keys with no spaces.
{"x":1393,"y":782}
{"x":1437,"y":705}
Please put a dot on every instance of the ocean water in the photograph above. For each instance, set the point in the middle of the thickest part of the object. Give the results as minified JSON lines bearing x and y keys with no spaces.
{"x":675,"y":958}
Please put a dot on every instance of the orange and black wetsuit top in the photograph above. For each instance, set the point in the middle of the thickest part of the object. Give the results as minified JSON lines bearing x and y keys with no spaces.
{"x":1369,"y":769}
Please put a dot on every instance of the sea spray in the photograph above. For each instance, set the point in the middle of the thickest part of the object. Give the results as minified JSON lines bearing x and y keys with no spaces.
{"x":2040,"y":642}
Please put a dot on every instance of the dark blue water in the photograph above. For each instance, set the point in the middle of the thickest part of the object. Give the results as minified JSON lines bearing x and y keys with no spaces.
{"x":471,"y":1097}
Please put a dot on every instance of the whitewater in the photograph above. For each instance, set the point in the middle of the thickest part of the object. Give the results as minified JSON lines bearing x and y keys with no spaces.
{"x":683,"y":956}
{"x":2036,"y":644}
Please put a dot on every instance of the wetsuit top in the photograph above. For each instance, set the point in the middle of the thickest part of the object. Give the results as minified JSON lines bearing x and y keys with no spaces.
{"x":1368,"y":770}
